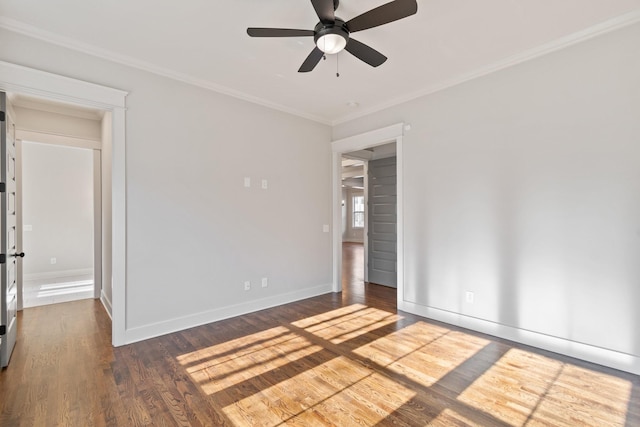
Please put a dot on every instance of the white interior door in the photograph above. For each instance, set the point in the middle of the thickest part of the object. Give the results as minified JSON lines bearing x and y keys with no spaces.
{"x":8,"y":229}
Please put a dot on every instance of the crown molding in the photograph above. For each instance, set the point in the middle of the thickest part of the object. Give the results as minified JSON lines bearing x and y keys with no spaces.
{"x":73,"y":44}
{"x":610,"y":25}
{"x":561,"y":43}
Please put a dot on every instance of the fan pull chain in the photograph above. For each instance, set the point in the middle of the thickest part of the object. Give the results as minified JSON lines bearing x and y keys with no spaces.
{"x":337,"y":65}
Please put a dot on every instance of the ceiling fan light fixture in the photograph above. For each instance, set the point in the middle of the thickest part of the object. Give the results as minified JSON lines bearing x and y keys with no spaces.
{"x":331,"y":38}
{"x":331,"y":43}
{"x":331,"y":35}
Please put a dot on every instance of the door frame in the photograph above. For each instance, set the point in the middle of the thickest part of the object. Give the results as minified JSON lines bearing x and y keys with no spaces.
{"x":28,"y":81}
{"x":393,"y":133}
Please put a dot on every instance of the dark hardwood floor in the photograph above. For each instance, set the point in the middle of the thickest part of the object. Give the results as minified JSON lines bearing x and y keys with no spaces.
{"x":348,"y":359}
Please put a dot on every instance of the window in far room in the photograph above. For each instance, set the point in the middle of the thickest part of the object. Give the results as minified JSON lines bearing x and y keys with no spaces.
{"x":358,"y":211}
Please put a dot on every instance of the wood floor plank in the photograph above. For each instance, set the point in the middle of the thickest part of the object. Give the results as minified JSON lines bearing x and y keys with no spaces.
{"x":348,"y":359}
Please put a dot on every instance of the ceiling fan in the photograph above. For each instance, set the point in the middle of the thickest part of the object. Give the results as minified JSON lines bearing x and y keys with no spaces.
{"x":332,"y":34}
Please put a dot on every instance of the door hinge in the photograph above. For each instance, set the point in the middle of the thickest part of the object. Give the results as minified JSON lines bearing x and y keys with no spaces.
{"x":2,"y":187}
{"x":3,"y":329}
{"x":2,"y":116}
{"x":3,"y":258}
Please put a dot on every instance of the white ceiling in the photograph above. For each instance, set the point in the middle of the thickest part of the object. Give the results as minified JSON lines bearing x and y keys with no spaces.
{"x":205,"y":42}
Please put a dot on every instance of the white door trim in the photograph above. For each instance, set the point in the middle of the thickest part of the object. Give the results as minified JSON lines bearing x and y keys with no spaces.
{"x":363,"y":141}
{"x":23,"y":80}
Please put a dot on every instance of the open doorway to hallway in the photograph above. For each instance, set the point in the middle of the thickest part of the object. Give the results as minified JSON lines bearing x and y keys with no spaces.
{"x":64,"y":200}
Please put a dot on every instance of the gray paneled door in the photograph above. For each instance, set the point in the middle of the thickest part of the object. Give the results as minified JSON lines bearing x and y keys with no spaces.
{"x":8,"y":289}
{"x":381,"y":225}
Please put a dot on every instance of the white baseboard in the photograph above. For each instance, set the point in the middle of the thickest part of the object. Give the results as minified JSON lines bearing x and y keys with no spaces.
{"x":601,"y":356}
{"x":52,"y":275}
{"x":106,"y":303}
{"x":181,"y":323}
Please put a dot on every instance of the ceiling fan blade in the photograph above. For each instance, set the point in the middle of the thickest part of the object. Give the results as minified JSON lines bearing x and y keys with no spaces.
{"x":278,"y":32}
{"x":365,"y":53}
{"x":312,"y":60}
{"x":384,"y":14}
{"x":324,"y":10}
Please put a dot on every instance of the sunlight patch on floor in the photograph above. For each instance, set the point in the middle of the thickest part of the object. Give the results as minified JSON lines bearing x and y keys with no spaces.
{"x":341,"y":325}
{"x":535,"y":390}
{"x":225,"y":365}
{"x":451,"y":417}
{"x":422,"y":352}
{"x":234,"y":348}
{"x":285,"y":375}
{"x":340,"y":391}
{"x":328,"y":316}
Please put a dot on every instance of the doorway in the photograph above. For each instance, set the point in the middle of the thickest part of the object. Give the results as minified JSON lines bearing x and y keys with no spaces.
{"x":60,"y":89}
{"x":388,"y":141}
{"x":369,"y":212}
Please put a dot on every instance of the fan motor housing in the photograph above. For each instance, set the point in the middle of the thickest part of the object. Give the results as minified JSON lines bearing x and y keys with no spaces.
{"x":339,"y":27}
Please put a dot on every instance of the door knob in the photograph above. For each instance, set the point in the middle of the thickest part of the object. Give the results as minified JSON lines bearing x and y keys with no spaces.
{"x":21,"y":255}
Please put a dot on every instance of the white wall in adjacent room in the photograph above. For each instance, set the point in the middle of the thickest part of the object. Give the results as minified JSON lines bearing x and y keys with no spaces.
{"x":57,"y":205}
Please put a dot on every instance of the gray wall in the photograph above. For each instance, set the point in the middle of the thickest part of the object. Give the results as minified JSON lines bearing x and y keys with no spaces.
{"x":57,"y":202}
{"x":194,"y":233}
{"x":523,"y":187}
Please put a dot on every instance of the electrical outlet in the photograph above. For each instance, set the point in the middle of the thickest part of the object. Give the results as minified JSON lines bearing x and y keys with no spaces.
{"x":265,"y":282}
{"x":470,"y":297}
{"x":247,"y":285}
{"x":247,"y":181}
{"x":53,"y":260}
{"x":265,"y":184}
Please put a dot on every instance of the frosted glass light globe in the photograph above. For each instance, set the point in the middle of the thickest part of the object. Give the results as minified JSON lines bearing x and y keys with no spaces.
{"x":331,"y":43}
